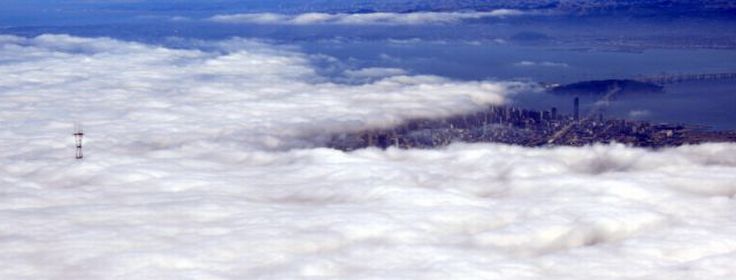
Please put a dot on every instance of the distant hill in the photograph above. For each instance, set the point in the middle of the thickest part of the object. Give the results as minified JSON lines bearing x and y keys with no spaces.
{"x":602,"y":87}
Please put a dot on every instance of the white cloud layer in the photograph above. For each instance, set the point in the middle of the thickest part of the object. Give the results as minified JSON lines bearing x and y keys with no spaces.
{"x":190,"y":175}
{"x":415,"y":18}
{"x":256,"y":94}
{"x":374,"y":72}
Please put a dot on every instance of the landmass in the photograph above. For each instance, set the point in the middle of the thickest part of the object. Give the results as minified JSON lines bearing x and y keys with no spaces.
{"x":511,"y":125}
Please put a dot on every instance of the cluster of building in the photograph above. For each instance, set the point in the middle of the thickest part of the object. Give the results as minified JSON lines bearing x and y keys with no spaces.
{"x":503,"y":124}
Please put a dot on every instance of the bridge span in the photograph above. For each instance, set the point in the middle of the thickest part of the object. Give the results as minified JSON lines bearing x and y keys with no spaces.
{"x":679,"y":78}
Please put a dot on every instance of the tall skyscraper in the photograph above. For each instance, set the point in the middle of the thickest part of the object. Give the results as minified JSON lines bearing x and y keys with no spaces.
{"x":577,"y":109}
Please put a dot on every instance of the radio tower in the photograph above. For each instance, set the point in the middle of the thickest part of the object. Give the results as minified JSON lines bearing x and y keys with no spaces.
{"x":78,"y":134}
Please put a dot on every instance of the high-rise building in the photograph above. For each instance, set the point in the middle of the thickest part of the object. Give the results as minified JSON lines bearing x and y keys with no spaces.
{"x":554,"y":113}
{"x":577,"y":109}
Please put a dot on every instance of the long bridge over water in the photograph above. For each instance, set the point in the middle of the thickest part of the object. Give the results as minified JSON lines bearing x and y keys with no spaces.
{"x":679,"y":78}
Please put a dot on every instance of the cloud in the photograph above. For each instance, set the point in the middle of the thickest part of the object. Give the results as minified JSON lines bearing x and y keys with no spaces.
{"x":374,"y":72}
{"x":201,"y":165}
{"x":526,"y":63}
{"x":179,"y":18}
{"x":266,"y":95}
{"x":415,"y":18}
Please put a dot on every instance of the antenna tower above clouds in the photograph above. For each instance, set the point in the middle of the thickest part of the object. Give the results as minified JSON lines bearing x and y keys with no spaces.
{"x":78,"y":135}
